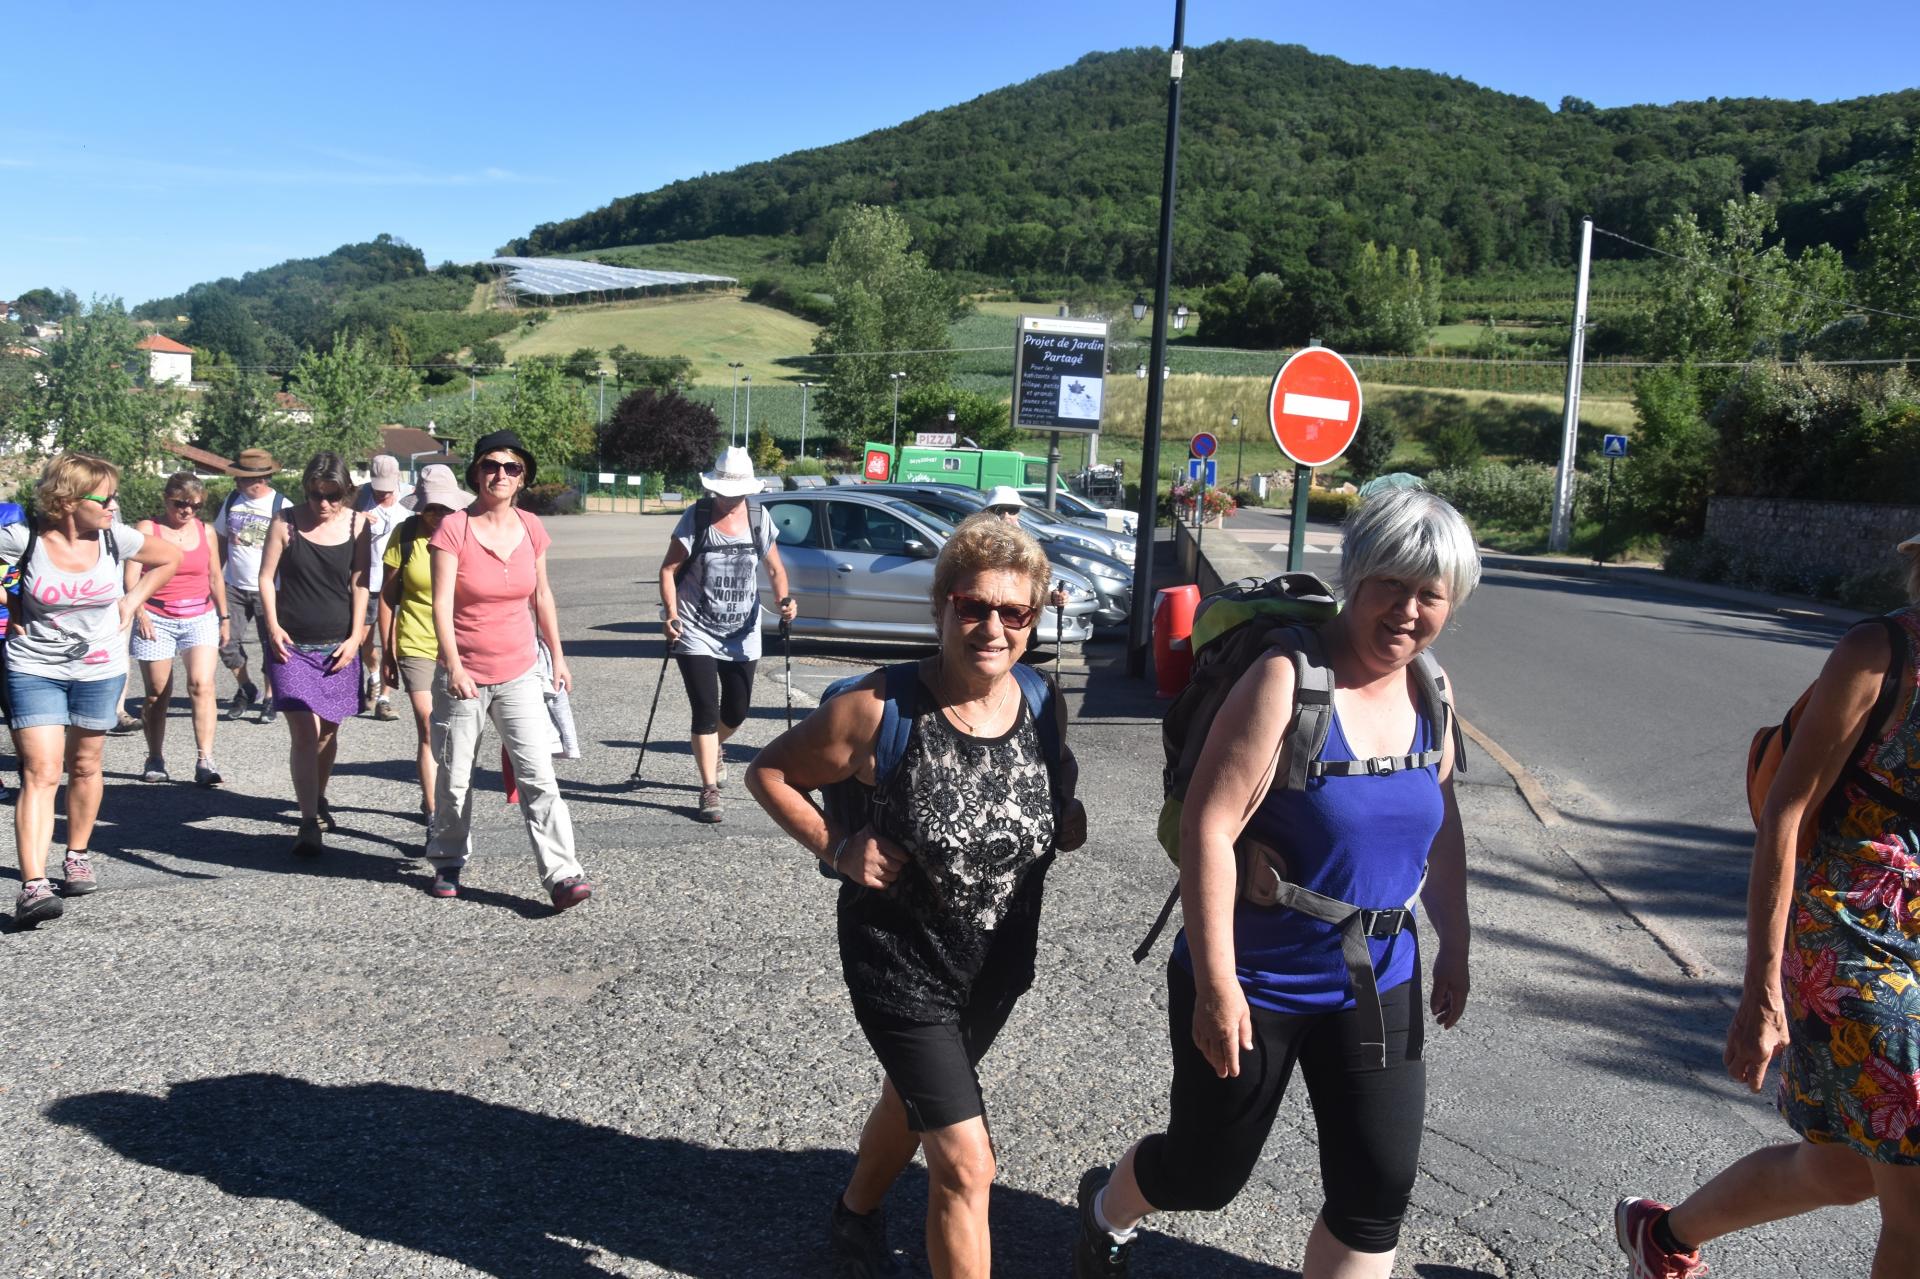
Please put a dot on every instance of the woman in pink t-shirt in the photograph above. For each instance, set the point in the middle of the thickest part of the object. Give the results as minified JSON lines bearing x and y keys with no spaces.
{"x":489,"y":584}
{"x":188,"y":617}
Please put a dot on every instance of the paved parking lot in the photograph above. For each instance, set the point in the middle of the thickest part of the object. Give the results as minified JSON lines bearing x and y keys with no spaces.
{"x":232,"y":1063}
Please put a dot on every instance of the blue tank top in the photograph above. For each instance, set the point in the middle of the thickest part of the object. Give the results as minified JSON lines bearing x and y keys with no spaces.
{"x":1358,"y":839}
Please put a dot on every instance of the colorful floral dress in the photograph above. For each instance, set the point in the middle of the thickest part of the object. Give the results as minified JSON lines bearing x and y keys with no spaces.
{"x":1851,"y":970}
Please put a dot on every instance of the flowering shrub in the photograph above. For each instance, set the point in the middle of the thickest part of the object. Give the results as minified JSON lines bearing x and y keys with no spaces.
{"x":1214,"y":502}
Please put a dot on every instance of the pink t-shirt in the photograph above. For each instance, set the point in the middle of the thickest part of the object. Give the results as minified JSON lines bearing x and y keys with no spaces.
{"x":492,"y":599}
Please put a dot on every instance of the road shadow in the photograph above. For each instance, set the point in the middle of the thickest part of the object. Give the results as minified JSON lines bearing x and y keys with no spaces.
{"x":1812,"y":632}
{"x":508,"y":1192}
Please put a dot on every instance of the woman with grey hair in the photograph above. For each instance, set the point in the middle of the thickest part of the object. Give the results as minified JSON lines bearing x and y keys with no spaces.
{"x":1833,"y":968}
{"x":1256,"y":987}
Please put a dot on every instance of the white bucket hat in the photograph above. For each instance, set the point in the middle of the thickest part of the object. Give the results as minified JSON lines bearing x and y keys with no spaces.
{"x":1005,"y":495}
{"x":732,"y":474}
{"x":437,"y":487}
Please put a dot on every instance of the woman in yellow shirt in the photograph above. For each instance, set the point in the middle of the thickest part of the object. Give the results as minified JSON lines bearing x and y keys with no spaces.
{"x":409,"y":651}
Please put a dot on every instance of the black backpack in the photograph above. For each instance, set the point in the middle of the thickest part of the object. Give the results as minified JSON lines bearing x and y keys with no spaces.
{"x":703,"y":525}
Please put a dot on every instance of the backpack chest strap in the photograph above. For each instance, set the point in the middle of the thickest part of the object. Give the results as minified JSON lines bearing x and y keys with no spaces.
{"x":1379,"y":766}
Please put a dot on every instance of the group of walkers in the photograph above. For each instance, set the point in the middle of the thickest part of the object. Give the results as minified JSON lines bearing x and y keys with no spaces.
{"x":457,"y":617}
{"x":1318,"y":819}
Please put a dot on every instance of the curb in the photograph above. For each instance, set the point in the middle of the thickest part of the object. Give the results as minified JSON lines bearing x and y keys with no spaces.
{"x":1661,"y":580}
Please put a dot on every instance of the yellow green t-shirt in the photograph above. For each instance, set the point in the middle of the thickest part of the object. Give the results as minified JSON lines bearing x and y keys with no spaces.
{"x":413,"y":627}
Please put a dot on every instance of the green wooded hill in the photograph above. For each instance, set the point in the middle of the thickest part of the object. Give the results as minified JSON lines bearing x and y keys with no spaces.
{"x":1287,"y":158}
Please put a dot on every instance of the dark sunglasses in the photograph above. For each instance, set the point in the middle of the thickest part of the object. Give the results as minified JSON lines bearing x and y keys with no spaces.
{"x":326,"y":495}
{"x":512,"y":469}
{"x":182,"y":503}
{"x":974,"y":610}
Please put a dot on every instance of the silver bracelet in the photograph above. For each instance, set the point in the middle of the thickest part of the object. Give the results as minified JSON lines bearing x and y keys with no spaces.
{"x":838,"y":849}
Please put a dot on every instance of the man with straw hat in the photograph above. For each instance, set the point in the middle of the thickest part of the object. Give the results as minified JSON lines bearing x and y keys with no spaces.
{"x":709,"y":589}
{"x":242,"y":525}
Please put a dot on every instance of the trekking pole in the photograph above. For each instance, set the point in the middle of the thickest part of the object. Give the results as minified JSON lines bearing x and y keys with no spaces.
{"x":647,"y":736}
{"x":786,"y":649}
{"x":1060,"y":638}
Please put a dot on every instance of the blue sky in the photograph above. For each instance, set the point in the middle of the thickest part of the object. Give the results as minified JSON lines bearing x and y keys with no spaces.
{"x":146,"y":147}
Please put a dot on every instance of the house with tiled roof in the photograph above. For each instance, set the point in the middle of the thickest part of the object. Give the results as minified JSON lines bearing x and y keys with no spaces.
{"x":167,"y":360}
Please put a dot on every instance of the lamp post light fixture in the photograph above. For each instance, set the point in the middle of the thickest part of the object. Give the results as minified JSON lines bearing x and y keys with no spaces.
{"x":804,"y":388}
{"x":896,"y":379}
{"x":953,"y":415}
{"x":1139,"y":307}
{"x":1141,"y":372}
{"x":1180,"y":314}
{"x":734,"y":426}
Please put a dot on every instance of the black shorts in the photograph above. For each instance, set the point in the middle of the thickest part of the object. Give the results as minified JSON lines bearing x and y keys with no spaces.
{"x":934,"y":1065}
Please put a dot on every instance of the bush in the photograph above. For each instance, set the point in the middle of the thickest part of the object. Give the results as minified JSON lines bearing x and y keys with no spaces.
{"x":1246,"y":498}
{"x":1512,"y":497}
{"x":1331,"y":505}
{"x":806,"y":466}
{"x":1373,"y":444}
{"x":550,"y":499}
{"x":1702,"y":559}
{"x":655,"y":430}
{"x":1454,"y":444}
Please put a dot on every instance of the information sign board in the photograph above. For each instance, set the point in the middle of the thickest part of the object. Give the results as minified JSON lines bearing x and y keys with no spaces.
{"x":1059,"y":374}
{"x":1211,"y":470}
{"x":606,"y":477}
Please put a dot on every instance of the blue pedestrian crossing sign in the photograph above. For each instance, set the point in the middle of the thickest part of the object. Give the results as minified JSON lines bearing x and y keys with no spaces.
{"x":1211,"y":471}
{"x":1613,"y":446}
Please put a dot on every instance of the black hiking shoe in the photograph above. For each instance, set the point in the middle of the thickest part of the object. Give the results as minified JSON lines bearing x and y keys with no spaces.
{"x":1096,"y":1254}
{"x":859,"y":1243}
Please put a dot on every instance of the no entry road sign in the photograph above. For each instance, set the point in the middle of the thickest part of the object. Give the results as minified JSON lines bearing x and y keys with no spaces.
{"x":1314,"y":406}
{"x":1203,"y":445}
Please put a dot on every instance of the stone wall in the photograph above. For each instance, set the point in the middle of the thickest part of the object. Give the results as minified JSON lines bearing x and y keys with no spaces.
{"x":1809,"y":545}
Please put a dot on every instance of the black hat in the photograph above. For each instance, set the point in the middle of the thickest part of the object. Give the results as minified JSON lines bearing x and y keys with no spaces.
{"x":493,"y":443}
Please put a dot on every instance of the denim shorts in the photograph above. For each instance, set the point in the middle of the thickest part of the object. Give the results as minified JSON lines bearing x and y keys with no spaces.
{"x":83,"y":703}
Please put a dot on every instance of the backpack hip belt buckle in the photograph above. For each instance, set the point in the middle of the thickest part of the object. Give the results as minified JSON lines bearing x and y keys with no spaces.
{"x":1382,"y":924}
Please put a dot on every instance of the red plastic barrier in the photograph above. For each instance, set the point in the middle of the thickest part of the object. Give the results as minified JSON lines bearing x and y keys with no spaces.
{"x":1173,"y":611}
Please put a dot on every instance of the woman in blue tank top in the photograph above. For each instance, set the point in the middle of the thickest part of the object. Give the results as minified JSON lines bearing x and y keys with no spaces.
{"x":1256,"y":988}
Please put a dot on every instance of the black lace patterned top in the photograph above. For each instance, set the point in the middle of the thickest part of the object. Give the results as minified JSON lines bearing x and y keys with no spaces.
{"x":975,"y":817}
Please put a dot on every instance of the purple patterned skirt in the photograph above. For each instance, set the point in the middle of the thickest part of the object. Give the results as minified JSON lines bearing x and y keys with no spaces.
{"x":301,"y":683}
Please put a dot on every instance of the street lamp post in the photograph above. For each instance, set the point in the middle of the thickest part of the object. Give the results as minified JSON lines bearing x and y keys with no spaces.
{"x":746,"y":436}
{"x":1240,"y":458}
{"x":896,"y":379}
{"x":804,"y":388}
{"x":733,"y":427}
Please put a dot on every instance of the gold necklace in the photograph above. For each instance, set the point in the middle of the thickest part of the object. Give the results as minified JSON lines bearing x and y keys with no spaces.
{"x":955,"y":709}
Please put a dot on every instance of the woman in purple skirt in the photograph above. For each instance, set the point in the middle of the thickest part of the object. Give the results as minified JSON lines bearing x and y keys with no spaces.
{"x":313,"y":590}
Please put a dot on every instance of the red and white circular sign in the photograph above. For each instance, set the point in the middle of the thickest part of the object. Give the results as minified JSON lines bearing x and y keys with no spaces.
{"x":1314,"y":406}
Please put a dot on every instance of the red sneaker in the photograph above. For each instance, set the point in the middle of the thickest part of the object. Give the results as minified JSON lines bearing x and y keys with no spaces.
{"x":1633,"y":1226}
{"x":571,"y":891}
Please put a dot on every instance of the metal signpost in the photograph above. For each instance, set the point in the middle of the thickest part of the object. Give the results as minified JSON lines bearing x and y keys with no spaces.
{"x":1059,"y":382}
{"x":1314,"y":410}
{"x":1614,"y":447}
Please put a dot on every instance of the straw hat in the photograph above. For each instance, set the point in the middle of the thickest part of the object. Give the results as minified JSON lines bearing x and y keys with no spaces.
{"x":732,"y":474}
{"x":253,"y":464}
{"x":437,"y":487}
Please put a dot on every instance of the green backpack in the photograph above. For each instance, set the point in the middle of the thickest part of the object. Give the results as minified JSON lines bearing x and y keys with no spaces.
{"x":1232,"y":629}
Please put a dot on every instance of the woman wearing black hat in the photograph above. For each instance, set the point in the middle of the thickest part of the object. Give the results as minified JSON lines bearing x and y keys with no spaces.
{"x":489,"y":586}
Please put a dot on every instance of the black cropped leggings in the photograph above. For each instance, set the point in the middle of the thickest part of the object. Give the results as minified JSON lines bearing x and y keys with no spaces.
{"x":1369,"y":1118}
{"x":720,"y":692}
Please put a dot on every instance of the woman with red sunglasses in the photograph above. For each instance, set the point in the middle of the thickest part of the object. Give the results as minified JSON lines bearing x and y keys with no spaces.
{"x":939,"y":909}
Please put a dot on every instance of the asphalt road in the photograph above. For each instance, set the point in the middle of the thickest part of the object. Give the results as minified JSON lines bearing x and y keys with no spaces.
{"x":228,"y":1063}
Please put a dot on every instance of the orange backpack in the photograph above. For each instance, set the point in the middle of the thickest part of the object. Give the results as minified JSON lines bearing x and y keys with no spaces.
{"x":1769,"y":745}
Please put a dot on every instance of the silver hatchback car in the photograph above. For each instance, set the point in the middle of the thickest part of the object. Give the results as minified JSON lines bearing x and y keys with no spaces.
{"x":860,"y":566}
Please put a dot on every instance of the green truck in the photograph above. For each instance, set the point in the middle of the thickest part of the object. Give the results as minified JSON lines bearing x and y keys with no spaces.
{"x":977,"y":468}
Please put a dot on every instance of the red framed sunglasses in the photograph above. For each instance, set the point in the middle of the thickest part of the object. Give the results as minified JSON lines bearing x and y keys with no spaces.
{"x":972,"y":609}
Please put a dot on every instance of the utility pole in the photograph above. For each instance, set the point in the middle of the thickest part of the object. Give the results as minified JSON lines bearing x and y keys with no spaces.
{"x":804,"y":387}
{"x":896,"y":379}
{"x":733,"y":427}
{"x":1560,"y":534}
{"x":1140,"y":625}
{"x":746,"y":437}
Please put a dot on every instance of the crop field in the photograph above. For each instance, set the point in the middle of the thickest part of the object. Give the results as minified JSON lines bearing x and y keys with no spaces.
{"x":710,"y":329}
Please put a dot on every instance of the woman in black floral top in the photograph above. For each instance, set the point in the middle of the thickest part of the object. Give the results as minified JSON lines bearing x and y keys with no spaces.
{"x":939,"y":908}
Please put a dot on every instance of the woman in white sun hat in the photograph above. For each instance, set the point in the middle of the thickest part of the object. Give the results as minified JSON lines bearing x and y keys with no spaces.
{"x":709,"y":589}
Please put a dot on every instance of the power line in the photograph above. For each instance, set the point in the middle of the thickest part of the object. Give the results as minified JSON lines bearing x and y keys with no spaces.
{"x":1849,"y":307}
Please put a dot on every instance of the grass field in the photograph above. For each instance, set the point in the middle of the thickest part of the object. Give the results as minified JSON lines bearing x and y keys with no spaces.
{"x":708,"y":328}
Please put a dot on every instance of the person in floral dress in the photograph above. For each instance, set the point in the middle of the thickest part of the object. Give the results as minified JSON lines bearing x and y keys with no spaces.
{"x":1832,"y":983}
